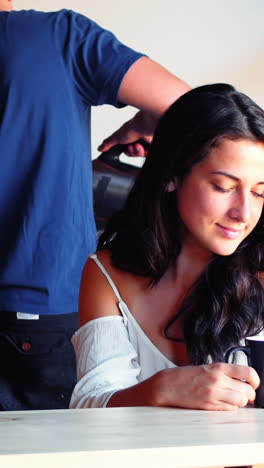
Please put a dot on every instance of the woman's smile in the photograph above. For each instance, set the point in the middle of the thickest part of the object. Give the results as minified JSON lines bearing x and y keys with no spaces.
{"x":229,"y":232}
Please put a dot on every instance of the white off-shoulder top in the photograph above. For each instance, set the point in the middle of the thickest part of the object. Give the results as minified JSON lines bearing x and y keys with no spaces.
{"x":114,"y":353}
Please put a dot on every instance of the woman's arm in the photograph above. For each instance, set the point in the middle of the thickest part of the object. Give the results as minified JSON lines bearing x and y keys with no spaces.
{"x":106,"y":359}
{"x":106,"y":362}
{"x":209,"y":387}
{"x":108,"y":366}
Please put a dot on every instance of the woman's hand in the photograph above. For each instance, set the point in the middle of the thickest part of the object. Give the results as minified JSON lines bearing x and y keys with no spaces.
{"x":216,"y":386}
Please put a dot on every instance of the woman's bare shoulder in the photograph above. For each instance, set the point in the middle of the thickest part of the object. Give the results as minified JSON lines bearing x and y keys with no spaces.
{"x":97,"y":298}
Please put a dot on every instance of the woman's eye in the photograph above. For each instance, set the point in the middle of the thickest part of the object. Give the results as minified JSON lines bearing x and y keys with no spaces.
{"x":258,"y":195}
{"x":220,"y":189}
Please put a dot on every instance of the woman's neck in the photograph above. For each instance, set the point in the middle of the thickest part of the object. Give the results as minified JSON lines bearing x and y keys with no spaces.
{"x":191,"y":263}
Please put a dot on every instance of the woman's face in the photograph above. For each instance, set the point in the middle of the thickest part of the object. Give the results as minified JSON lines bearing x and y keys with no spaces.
{"x":221,"y":200}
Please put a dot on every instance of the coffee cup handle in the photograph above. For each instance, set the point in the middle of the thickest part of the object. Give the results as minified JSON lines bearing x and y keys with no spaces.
{"x":245,"y":349}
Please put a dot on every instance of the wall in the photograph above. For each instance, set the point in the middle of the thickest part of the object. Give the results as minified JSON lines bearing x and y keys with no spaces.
{"x":201,"y":41}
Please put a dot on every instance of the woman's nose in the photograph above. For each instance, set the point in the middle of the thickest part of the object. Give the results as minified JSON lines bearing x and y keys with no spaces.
{"x":240,"y":211}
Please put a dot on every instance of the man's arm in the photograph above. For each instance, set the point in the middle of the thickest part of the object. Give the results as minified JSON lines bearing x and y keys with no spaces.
{"x":152,"y":89}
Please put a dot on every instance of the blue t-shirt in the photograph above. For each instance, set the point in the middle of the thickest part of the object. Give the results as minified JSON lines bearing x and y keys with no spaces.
{"x":53,"y":68}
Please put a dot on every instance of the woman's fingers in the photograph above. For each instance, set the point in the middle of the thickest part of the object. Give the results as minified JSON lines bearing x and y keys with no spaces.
{"x":248,"y":374}
{"x":233,"y":385}
{"x":218,"y":386}
{"x":242,"y":388}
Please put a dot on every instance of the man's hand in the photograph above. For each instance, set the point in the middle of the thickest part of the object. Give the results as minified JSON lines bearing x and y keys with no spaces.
{"x":136,"y":135}
{"x":150,"y":87}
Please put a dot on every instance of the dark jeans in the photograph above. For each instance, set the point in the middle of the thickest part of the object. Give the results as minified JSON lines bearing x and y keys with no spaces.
{"x":37,"y":361}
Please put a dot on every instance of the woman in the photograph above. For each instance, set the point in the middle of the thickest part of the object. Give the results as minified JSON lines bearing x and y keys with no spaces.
{"x":177,"y":281}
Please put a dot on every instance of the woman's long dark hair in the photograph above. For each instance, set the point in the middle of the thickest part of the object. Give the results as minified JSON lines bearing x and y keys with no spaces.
{"x":227,"y":302}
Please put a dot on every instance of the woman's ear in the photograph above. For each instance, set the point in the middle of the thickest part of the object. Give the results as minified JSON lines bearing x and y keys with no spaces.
{"x":172,"y":186}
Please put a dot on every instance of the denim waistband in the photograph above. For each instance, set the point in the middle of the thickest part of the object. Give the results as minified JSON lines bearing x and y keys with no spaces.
{"x":47,"y":321}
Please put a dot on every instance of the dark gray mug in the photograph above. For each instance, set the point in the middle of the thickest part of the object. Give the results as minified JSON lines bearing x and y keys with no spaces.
{"x":254,"y":350}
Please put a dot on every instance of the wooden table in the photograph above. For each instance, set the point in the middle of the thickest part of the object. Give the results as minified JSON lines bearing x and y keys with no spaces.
{"x":131,"y":438}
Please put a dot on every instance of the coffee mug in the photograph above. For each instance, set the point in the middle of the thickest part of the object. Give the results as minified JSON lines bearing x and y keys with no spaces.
{"x":254,"y":350}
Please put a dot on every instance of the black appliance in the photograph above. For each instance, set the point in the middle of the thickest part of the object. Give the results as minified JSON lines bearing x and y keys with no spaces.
{"x":112,"y":180}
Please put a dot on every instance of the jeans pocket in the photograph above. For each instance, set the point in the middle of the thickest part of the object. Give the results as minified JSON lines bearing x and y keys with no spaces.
{"x":38,"y":369}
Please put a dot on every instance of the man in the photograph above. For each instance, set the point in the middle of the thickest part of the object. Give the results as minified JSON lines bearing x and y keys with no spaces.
{"x":54,"y":67}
